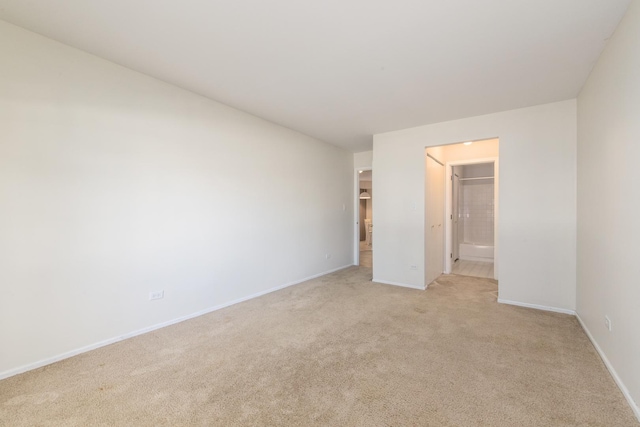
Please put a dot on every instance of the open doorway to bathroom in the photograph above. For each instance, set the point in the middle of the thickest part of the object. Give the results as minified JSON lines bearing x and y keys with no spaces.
{"x":461,"y":209}
{"x":365,"y":218}
{"x":472,"y":216}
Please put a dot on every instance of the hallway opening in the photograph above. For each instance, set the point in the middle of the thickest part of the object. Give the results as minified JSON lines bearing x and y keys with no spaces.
{"x":365,"y":218}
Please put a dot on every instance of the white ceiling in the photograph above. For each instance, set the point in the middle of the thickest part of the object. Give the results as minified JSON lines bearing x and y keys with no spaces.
{"x":343,"y":70}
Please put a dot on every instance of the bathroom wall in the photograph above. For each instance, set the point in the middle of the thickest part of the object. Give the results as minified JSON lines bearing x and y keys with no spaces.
{"x":477,"y":205}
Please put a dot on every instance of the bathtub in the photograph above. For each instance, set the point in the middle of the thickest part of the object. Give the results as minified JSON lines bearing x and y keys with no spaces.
{"x":473,"y":252}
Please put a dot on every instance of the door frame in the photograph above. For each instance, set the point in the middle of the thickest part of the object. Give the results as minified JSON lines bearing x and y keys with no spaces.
{"x":448,"y":246}
{"x":356,"y":212}
{"x":455,"y":232}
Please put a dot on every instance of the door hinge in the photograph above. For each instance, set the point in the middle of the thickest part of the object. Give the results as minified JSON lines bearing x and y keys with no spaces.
{"x":451,"y":255}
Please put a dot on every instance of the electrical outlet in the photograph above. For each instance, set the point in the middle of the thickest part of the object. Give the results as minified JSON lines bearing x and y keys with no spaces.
{"x":156,"y":295}
{"x":607,"y":323}
{"x":327,"y":256}
{"x":413,"y":267}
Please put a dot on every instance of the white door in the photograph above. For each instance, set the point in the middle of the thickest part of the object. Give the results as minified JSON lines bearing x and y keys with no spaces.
{"x":434,"y":210}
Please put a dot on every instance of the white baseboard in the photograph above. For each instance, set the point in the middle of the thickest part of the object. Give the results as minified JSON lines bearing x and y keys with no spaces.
{"x":537,"y":307}
{"x":75,"y":352}
{"x":612,"y":371}
{"x":403,"y":285}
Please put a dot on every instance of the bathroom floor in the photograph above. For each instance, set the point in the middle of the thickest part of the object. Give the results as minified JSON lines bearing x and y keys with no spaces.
{"x":473,"y":268}
{"x":366,"y":255}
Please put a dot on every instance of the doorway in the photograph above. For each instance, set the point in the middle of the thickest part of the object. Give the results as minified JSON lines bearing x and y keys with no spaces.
{"x":461,"y":209}
{"x":364,"y":224}
{"x":472,"y":219}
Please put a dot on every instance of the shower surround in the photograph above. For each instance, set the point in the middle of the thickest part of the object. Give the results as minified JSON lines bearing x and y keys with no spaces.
{"x":476,"y":212}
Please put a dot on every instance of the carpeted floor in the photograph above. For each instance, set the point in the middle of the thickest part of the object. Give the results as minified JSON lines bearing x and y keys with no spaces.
{"x":337,"y":351}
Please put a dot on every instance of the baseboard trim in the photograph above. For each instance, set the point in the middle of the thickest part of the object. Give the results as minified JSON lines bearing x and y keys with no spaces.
{"x":537,"y":307}
{"x":612,"y":371}
{"x":68,"y":354}
{"x":403,"y":285}
{"x":605,"y":360}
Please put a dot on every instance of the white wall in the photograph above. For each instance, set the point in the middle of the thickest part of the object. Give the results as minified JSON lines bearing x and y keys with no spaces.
{"x":113,"y":184}
{"x":478,"y":150}
{"x":363,"y":160}
{"x":609,"y":201}
{"x":537,"y":216}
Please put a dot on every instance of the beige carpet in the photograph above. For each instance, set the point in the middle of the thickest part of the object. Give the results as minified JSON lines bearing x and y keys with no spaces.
{"x":337,"y":351}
